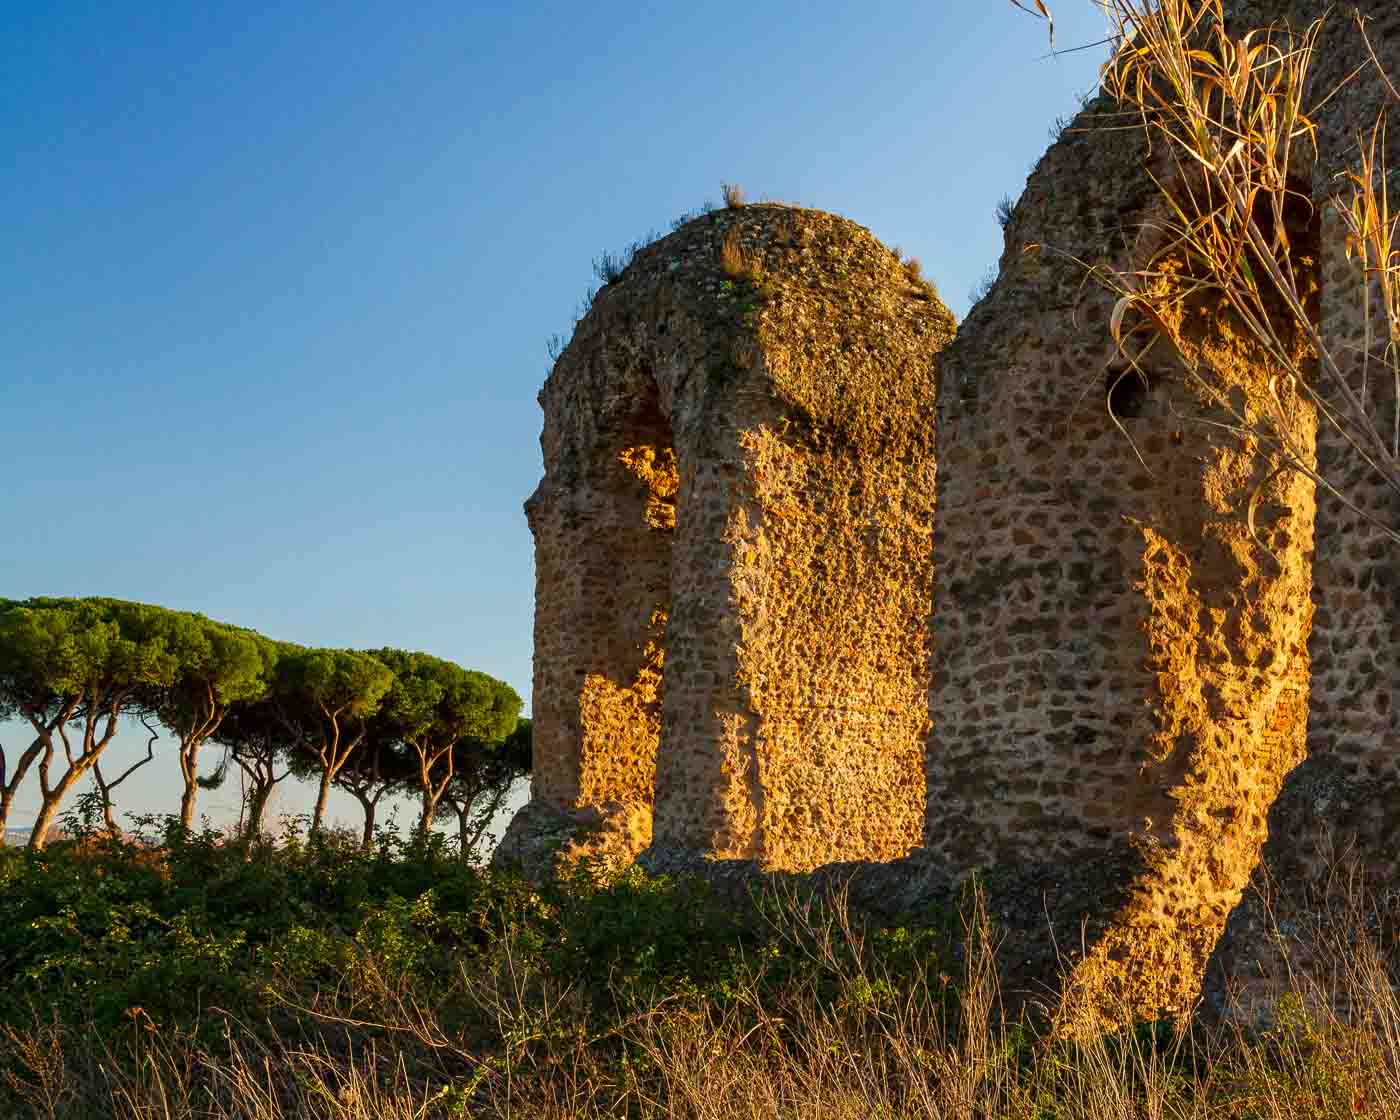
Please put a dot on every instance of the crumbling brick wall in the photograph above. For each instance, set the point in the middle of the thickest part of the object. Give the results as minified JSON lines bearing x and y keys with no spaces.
{"x":733,"y":542}
{"x":734,"y":563}
{"x":1342,"y":805}
{"x":1120,"y":671}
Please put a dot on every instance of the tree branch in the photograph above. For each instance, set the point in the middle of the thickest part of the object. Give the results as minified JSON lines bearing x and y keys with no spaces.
{"x":150,"y":754}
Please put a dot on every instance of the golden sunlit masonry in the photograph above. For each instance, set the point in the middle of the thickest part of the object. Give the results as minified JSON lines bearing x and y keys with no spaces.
{"x":1093,"y":665}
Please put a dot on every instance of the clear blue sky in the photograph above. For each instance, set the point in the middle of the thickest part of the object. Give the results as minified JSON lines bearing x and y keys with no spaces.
{"x":276,"y":280}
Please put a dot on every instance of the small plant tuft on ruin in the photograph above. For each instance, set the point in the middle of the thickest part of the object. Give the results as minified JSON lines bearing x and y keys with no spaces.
{"x":733,"y":260}
{"x":706,"y":207}
{"x":1004,"y":210}
{"x":609,"y":266}
{"x":979,"y":291}
{"x":914,"y":272}
{"x":740,"y":267}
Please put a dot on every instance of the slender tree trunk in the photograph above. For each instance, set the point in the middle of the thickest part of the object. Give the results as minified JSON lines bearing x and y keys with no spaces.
{"x":52,"y":799}
{"x":332,"y":755}
{"x":108,"y":818}
{"x":432,"y":789}
{"x":39,"y":834}
{"x":10,"y":782}
{"x":322,"y":795}
{"x":54,"y":796}
{"x":192,"y":738}
{"x":259,"y":771}
{"x":105,"y":788}
{"x":369,"y":806}
{"x":78,"y":766}
{"x":463,"y":829}
{"x":189,"y":770}
{"x":48,"y":811}
{"x":7,"y":799}
{"x":258,"y":797}
{"x":430,"y":807}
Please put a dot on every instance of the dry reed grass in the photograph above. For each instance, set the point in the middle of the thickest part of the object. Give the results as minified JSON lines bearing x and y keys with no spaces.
{"x":858,"y":1049}
{"x":733,"y":261}
{"x":1230,"y":122}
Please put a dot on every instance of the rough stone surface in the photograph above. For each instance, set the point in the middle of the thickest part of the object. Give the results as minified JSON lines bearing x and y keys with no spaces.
{"x":1120,"y":672}
{"x":1335,"y":824}
{"x":733,"y":542}
{"x":734,"y":619}
{"x":542,"y":840}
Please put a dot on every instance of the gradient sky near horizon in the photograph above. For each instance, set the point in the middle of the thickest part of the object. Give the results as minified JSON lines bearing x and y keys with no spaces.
{"x":276,"y":281}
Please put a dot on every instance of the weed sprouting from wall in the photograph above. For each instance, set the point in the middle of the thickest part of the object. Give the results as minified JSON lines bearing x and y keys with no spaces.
{"x":1005,"y":207}
{"x":706,"y":207}
{"x":1233,"y":119}
{"x":609,"y":267}
{"x":979,"y":291}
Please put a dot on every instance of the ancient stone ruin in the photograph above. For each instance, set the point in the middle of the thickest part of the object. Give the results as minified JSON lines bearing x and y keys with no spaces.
{"x":1103,"y":695}
{"x":733,"y":545}
{"x":1339,"y":812}
{"x":1120,"y":672}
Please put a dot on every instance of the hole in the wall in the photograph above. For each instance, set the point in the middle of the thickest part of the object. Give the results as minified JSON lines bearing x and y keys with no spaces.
{"x":1127,"y":390}
{"x":1299,"y":250}
{"x":648,"y":458}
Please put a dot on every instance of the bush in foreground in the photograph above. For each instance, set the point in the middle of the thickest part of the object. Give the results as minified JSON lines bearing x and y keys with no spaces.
{"x":197,"y":977}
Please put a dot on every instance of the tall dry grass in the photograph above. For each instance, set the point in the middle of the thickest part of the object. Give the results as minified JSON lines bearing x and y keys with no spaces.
{"x":839,"y":1044}
{"x":1232,"y":120}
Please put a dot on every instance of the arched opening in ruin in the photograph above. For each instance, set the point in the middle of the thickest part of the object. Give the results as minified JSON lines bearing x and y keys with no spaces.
{"x":629,"y":550}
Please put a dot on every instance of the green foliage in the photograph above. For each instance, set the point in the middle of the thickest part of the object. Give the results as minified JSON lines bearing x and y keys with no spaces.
{"x":162,"y":962}
{"x":97,"y":926}
{"x":175,"y":921}
{"x":83,"y":662}
{"x":518,"y":749}
{"x":314,"y":686}
{"x":99,"y":651}
{"x":433,"y":698}
{"x":634,"y":936}
{"x":371,"y":722}
{"x":324,"y":699}
{"x":218,"y":665}
{"x":442,"y":728}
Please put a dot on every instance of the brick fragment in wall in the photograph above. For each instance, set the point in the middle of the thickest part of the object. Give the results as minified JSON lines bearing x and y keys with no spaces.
{"x":733,"y":542}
